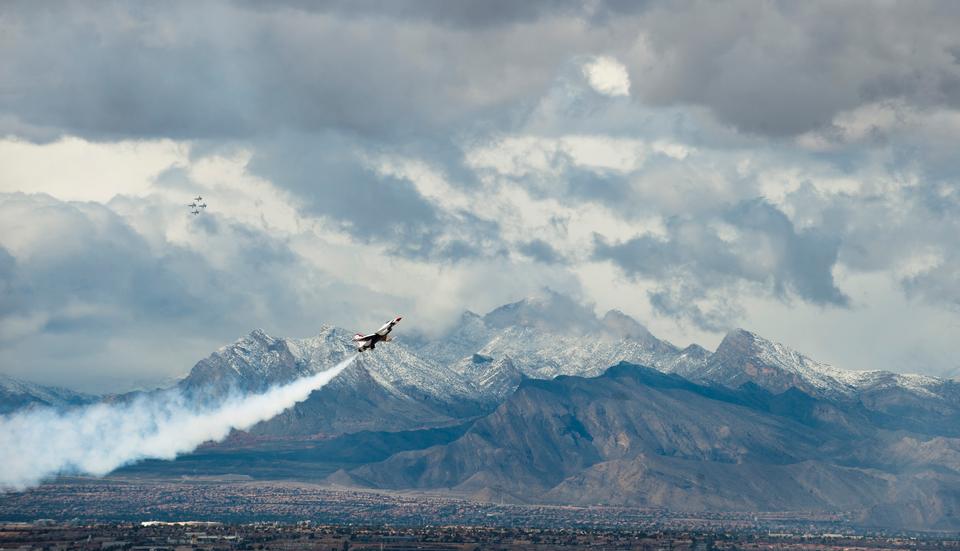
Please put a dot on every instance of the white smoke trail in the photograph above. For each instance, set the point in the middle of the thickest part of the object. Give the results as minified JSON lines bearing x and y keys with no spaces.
{"x":38,"y":444}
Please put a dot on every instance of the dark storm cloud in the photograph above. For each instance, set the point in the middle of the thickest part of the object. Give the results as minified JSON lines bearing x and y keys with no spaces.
{"x":693,"y":260}
{"x":608,"y":188}
{"x":804,"y":258}
{"x":912,"y":233}
{"x":334,"y":180}
{"x":541,"y":251}
{"x":467,"y":14}
{"x":220,"y":70}
{"x":395,"y":69}
{"x":782,"y":68}
{"x":10,"y":286}
{"x":310,"y":92}
{"x":460,"y":14}
{"x":316,"y":92}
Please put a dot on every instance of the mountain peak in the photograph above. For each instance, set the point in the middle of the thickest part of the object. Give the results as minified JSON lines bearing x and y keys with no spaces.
{"x":624,"y":326}
{"x":468,"y":315}
{"x":744,"y":357}
{"x":695,"y":351}
{"x":259,"y":335}
{"x":16,"y":393}
{"x":552,"y":311}
{"x":738,"y":338}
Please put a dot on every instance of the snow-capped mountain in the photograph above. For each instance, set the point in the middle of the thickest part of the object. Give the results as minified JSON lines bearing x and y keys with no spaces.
{"x":482,"y":359}
{"x":893,"y":400}
{"x":746,"y":357}
{"x":553,"y":335}
{"x":465,"y":373}
{"x":257,"y":361}
{"x":550,"y":336}
{"x":413,"y":383}
{"x":16,"y":393}
{"x":393,"y":389}
{"x":494,"y":378}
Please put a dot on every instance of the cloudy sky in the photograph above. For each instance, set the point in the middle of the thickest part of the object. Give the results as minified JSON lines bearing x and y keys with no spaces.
{"x":787,"y":167}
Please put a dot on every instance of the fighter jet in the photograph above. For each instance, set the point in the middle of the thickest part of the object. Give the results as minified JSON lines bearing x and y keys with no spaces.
{"x":369,"y":342}
{"x":195,"y":211}
{"x":193,"y":205}
{"x":198,"y":198}
{"x":202,"y":205}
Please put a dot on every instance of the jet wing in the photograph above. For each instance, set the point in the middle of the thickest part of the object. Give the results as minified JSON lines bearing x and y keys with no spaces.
{"x":387,"y":327}
{"x":362,"y":338}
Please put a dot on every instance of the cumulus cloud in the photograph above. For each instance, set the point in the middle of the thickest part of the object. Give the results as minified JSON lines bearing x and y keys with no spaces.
{"x":607,"y":76}
{"x":782,"y":70}
{"x":756,"y":244}
{"x":712,"y":163}
{"x":159,"y":71}
{"x":83,"y":276}
{"x":540,"y":250}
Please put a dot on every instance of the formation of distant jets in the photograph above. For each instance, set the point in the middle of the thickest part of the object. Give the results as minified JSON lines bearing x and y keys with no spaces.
{"x":362,"y":342}
{"x":196,"y":205}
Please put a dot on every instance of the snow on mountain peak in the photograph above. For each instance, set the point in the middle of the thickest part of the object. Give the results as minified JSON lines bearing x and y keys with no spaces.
{"x":744,"y":356}
{"x":553,"y":311}
{"x":624,"y":326}
{"x":16,"y":393}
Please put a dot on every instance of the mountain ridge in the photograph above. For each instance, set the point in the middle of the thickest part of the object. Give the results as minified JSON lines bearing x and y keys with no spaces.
{"x":635,"y":436}
{"x":532,"y":338}
{"x":517,"y":403}
{"x":17,"y":394}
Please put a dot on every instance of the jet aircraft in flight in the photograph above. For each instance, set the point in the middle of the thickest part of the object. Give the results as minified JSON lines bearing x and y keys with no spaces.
{"x":369,"y":342}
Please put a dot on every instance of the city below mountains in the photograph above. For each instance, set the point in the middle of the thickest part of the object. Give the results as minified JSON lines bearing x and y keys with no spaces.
{"x":540,"y":401}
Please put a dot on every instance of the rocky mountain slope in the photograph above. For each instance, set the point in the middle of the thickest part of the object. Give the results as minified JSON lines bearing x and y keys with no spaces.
{"x":520,"y":404}
{"x":16,"y":394}
{"x":415,"y":383}
{"x":553,"y":335}
{"x":744,"y":356}
{"x":635,"y":436}
{"x":393,"y":389}
{"x":915,"y":402}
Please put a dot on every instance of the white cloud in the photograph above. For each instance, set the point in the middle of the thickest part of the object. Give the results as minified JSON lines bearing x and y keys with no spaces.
{"x":79,"y":170}
{"x":522,"y":155}
{"x":607,"y":76}
{"x":919,"y":263}
{"x":883,"y":330}
{"x":554,"y":151}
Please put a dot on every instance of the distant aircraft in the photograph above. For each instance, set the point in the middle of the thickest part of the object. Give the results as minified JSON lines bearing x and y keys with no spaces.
{"x":195,"y":211}
{"x":369,"y":342}
{"x":203,"y":205}
{"x":198,"y":198}
{"x":193,"y":205}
